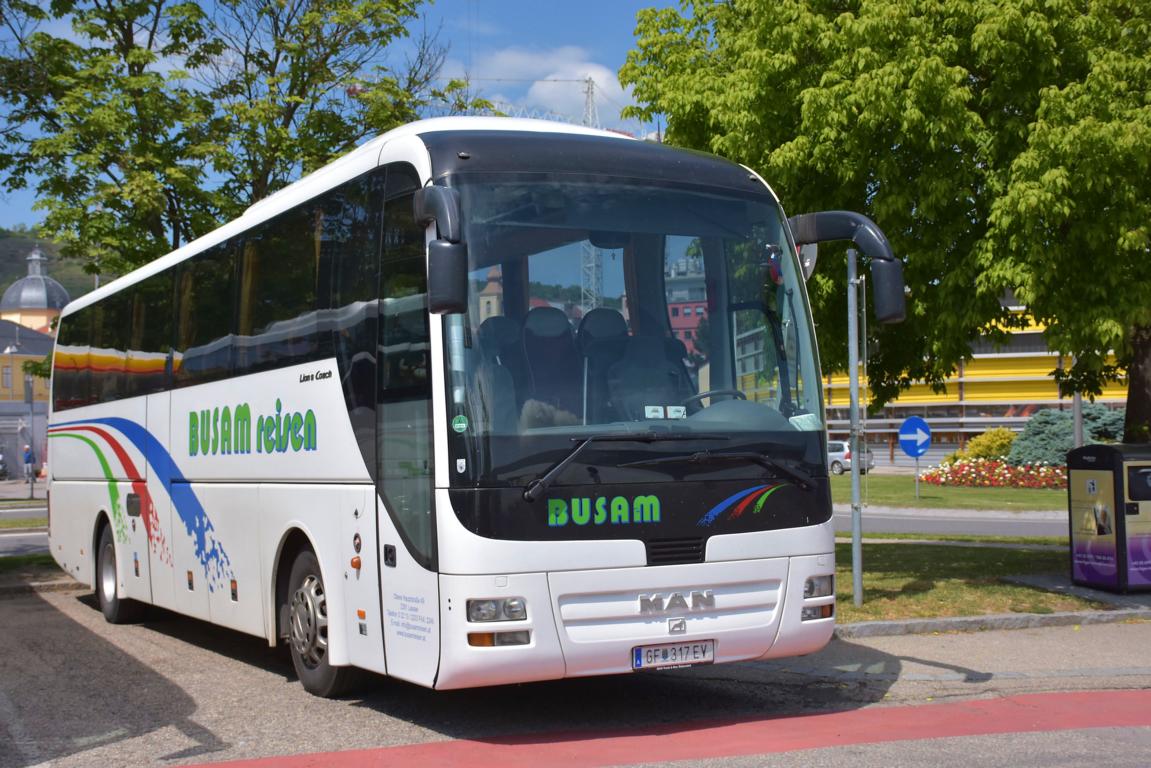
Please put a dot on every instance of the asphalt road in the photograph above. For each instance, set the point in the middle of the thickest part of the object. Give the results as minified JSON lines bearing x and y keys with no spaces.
{"x":946,"y":521}
{"x":23,"y":543}
{"x":79,"y":692}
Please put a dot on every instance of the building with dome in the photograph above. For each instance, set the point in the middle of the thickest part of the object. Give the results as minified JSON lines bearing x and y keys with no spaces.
{"x":35,"y":300}
{"x":28,"y":311}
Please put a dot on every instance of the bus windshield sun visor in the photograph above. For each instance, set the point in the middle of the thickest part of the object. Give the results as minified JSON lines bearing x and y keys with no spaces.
{"x":536,"y":487}
{"x":777,"y":466}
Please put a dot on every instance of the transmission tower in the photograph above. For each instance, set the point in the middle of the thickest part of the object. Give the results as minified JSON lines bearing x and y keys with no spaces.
{"x":591,"y":259}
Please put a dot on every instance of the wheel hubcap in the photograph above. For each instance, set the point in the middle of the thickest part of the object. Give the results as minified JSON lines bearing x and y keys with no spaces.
{"x":309,"y":633}
{"x":108,"y":572}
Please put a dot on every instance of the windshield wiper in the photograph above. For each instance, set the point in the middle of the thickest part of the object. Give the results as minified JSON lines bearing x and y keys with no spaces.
{"x":536,"y":487}
{"x":779,"y":466}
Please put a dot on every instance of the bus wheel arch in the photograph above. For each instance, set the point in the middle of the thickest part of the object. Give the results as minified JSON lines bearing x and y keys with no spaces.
{"x":105,"y":581}
{"x":302,"y":618}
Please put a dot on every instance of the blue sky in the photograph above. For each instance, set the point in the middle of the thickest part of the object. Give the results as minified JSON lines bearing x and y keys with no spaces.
{"x":514,"y":51}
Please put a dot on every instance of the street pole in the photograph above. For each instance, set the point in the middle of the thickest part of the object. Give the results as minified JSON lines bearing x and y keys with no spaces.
{"x":30,"y":401}
{"x":853,"y":369}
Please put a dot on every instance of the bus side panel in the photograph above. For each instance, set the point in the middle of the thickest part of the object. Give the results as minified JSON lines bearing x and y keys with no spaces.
{"x":72,"y":525}
{"x":159,"y":468}
{"x":231,"y":575}
{"x":363,"y":623}
{"x":104,"y":471}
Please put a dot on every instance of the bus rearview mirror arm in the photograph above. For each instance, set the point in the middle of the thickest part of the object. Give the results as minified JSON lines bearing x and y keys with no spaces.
{"x":447,"y":255}
{"x":886,"y":271}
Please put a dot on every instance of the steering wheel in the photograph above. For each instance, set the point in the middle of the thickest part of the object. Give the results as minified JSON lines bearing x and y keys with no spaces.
{"x":714,"y":393}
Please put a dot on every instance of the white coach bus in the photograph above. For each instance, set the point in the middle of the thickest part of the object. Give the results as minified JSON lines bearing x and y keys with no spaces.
{"x":483,"y":401}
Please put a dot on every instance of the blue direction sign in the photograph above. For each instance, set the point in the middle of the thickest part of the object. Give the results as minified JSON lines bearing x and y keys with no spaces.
{"x":914,"y":436}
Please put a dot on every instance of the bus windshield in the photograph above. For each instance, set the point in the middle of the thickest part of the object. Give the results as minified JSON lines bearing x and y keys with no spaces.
{"x":615,"y":306}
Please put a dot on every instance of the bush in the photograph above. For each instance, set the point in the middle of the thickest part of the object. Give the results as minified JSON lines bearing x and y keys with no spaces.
{"x":1050,"y":434}
{"x":992,"y":444}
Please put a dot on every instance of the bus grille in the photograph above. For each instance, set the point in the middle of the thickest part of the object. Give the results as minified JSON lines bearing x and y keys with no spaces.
{"x":675,"y":551}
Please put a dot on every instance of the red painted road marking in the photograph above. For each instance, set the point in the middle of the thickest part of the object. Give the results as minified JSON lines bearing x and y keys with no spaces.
{"x":691,"y":741}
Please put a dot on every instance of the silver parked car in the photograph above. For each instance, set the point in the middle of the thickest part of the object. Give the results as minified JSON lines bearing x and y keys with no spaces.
{"x":839,"y":458}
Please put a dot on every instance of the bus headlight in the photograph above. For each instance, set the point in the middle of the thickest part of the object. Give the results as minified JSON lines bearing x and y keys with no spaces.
{"x":503,"y":609}
{"x":818,"y":586}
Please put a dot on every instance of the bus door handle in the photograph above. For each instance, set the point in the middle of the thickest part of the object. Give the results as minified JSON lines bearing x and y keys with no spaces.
{"x":133,"y":503}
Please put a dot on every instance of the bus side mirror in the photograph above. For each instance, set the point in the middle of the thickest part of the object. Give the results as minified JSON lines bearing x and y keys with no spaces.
{"x":886,"y":270}
{"x":447,"y":278}
{"x":447,"y":256}
{"x":887,"y":291}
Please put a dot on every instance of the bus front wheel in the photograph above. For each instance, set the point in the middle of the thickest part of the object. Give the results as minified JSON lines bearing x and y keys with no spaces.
{"x":116,"y":610}
{"x":308,"y":630}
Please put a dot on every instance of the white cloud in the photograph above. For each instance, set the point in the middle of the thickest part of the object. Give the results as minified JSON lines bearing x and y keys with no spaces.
{"x":548,"y":81}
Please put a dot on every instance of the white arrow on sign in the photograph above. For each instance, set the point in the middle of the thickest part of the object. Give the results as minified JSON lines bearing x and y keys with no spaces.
{"x":919,"y":436}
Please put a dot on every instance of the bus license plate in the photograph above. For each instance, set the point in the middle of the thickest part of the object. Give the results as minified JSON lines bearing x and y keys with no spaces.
{"x":673,"y":654}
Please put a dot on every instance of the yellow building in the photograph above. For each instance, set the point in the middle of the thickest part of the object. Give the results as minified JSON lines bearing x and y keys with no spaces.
{"x":997,"y":388}
{"x":34,"y":301}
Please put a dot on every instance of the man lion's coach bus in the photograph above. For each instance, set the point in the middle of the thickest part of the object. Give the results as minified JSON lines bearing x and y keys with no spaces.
{"x":483,"y":401}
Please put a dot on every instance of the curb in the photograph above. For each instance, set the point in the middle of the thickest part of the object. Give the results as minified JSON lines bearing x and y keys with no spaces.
{"x":42,"y":529}
{"x":983,"y":623}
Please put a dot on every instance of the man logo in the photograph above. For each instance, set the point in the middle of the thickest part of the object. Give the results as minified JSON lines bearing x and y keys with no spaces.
{"x":677,"y":602}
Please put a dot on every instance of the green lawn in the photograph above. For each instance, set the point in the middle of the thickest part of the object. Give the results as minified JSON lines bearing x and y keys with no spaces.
{"x":925,"y":581}
{"x":899,"y":491}
{"x":23,"y":522}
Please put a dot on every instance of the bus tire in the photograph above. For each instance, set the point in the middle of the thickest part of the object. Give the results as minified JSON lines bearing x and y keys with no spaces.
{"x":116,"y":609}
{"x":308,"y":631}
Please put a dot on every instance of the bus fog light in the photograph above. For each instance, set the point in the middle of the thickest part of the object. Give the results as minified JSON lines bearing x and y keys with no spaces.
{"x":504,"y":609}
{"x":513,"y":638}
{"x":817,"y":612}
{"x":515,"y":609}
{"x":818,"y":586}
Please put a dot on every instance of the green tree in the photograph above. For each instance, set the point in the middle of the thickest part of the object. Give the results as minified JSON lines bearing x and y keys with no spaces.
{"x":116,"y":141}
{"x":303,"y":81}
{"x":932,"y":117}
{"x":152,"y":121}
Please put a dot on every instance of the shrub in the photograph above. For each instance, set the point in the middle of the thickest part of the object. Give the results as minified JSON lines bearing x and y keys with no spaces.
{"x":1050,"y":434}
{"x":992,"y":444}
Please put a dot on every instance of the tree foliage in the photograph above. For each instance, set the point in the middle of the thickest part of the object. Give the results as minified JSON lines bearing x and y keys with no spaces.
{"x":964,"y":128}
{"x":1050,"y":434}
{"x":143,"y":124}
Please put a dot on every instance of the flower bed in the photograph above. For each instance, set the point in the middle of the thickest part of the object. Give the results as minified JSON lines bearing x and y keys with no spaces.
{"x":996,"y":473}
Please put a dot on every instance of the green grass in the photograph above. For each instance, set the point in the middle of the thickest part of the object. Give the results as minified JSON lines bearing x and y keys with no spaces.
{"x":25,"y":563}
{"x":899,"y":491}
{"x":23,"y":522}
{"x":962,"y":538}
{"x":924,"y":581}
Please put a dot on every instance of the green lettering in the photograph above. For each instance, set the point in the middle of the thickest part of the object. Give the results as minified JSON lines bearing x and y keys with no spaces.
{"x":269,"y":434}
{"x":297,"y":434}
{"x":557,"y":513}
{"x":243,"y":429}
{"x":193,"y":440}
{"x":215,"y":431}
{"x":283,"y":425}
{"x":620,"y":511}
{"x":226,"y":431}
{"x":581,"y":511}
{"x":309,"y":431}
{"x":645,"y":509}
{"x":600,"y":510}
{"x":205,"y":431}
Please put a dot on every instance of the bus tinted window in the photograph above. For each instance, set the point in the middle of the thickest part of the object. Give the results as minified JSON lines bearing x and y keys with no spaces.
{"x":111,"y":322}
{"x":150,"y":343}
{"x":276,"y":311}
{"x":204,"y":317}
{"x":405,"y":449}
{"x":71,"y":377}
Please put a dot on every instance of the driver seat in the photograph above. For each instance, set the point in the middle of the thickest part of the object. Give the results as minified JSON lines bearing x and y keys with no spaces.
{"x":648,"y":374}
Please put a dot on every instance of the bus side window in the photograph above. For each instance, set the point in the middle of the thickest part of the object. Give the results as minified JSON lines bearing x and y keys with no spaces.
{"x":204,"y":300}
{"x":71,"y":383}
{"x":404,"y":411}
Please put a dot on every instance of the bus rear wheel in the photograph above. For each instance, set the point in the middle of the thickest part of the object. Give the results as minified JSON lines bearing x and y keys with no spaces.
{"x":116,"y":610}
{"x":308,"y":630}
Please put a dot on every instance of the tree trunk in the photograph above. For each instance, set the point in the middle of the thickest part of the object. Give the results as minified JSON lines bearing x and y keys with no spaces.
{"x":1137,"y":425}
